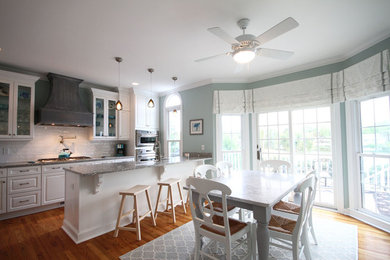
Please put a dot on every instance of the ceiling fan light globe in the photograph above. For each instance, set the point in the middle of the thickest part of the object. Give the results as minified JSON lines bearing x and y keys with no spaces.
{"x":244,"y":56}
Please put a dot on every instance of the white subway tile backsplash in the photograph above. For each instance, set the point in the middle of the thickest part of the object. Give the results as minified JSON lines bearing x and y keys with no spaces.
{"x":46,"y":144}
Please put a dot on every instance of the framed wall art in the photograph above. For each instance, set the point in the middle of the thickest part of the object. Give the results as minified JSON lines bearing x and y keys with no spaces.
{"x":196,"y":127}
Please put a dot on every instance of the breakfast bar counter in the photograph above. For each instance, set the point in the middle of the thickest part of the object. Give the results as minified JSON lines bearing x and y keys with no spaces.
{"x":92,"y":191}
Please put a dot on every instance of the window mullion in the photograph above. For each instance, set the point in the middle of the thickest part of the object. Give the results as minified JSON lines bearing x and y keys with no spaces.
{"x":292,"y":144}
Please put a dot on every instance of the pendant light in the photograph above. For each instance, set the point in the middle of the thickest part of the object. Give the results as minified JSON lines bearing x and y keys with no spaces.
{"x":151,"y":102}
{"x":174,"y":86}
{"x":118,"y":104}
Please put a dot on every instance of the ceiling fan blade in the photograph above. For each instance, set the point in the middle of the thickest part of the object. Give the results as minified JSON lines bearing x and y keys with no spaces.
{"x":212,"y":57}
{"x":222,"y":35}
{"x":276,"y":54}
{"x":282,"y":27}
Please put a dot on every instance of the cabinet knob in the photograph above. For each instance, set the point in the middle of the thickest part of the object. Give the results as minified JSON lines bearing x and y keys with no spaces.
{"x":9,"y":134}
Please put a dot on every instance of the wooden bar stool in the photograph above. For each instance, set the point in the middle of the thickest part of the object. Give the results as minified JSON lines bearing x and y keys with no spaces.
{"x":169,"y":200}
{"x":134,"y":191}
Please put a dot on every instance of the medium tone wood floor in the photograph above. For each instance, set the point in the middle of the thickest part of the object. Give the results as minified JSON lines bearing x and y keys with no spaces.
{"x":39,"y":236}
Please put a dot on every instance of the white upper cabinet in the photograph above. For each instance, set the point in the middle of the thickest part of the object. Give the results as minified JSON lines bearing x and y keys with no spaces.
{"x":17,"y":92}
{"x":105,"y":116}
{"x":144,"y":118}
{"x":108,"y":123}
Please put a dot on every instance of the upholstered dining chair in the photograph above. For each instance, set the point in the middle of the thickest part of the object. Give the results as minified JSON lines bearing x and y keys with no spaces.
{"x":276,"y":166}
{"x":214,"y":225}
{"x":292,"y":234}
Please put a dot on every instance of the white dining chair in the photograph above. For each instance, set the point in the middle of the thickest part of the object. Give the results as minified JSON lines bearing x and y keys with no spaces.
{"x":212,"y":224}
{"x":276,"y":166}
{"x":292,"y":234}
{"x":225,"y":168}
{"x":207,"y":171}
{"x":290,"y":208}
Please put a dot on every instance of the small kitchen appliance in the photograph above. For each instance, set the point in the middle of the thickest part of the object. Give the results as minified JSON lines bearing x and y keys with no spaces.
{"x":120,"y":150}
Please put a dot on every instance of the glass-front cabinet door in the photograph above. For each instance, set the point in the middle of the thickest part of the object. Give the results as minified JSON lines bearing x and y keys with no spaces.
{"x":105,"y":114}
{"x":17,"y":92}
{"x":111,"y":118}
{"x":99,"y":117}
{"x":5,"y":109}
{"x":23,"y":118}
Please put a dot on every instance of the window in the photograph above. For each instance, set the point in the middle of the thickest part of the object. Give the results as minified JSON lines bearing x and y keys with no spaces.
{"x":303,"y":138}
{"x":375,"y":156}
{"x":173,"y":125}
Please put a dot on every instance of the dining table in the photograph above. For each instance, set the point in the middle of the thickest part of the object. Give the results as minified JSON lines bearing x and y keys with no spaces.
{"x":258,"y":191}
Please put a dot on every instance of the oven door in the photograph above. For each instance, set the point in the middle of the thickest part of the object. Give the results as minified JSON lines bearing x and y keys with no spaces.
{"x":146,"y":140}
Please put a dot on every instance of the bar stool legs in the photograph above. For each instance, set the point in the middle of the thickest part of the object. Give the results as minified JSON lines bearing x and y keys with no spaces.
{"x":169,"y":201}
{"x":134,"y":191}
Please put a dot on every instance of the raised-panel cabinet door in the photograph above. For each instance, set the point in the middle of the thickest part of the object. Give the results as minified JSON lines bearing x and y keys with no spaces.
{"x":3,"y":194}
{"x":53,"y":187}
{"x":5,"y":109}
{"x":24,"y":111}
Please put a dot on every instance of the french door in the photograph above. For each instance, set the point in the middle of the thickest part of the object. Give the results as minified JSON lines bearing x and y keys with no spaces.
{"x":302,"y":137}
{"x":232,"y":140}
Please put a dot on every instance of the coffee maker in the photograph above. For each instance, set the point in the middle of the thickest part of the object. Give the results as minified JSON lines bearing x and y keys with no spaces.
{"x":120,"y":150}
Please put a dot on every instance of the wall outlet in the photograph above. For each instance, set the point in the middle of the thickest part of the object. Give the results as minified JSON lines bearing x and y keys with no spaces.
{"x":202,"y":147}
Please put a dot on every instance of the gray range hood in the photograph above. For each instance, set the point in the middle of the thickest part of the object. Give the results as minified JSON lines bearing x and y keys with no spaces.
{"x":64,"y":106}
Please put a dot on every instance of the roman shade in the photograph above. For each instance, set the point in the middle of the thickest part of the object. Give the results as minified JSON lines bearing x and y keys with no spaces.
{"x":368,"y":77}
{"x":233,"y":101}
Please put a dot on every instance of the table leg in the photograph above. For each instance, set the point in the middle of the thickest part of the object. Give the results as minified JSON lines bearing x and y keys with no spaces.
{"x":262,"y":216}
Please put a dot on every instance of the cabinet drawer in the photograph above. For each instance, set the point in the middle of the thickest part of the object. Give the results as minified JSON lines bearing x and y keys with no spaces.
{"x":3,"y":172}
{"x":53,"y":168}
{"x":24,"y":183}
{"x":23,"y":201}
{"x":24,"y":170}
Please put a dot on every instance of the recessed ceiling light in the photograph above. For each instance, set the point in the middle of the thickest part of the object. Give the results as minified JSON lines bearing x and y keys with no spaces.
{"x":135,"y":83}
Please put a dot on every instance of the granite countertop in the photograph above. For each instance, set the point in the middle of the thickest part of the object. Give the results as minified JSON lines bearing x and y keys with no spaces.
{"x":37,"y":163}
{"x":101,"y":168}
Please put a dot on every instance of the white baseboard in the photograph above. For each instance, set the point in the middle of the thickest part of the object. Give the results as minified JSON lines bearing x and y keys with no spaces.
{"x":25,"y":212}
{"x":84,"y":235}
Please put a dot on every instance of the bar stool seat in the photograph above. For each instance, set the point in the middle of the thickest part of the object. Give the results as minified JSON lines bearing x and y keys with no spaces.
{"x":169,"y":200}
{"x":134,"y":191}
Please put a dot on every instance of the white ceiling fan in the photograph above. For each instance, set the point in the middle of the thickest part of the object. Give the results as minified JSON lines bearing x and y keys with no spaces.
{"x":245,"y":46}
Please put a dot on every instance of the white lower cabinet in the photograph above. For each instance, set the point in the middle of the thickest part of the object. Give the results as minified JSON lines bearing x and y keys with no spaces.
{"x":24,"y":200}
{"x":23,"y":188}
{"x":53,"y":187}
{"x":3,"y":195}
{"x":26,"y":183}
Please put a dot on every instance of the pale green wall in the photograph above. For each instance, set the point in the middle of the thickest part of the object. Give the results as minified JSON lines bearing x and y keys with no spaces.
{"x":197,"y":103}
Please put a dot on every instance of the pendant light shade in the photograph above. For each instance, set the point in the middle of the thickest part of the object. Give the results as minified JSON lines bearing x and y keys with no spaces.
{"x":118,"y":104}
{"x":151,"y":102}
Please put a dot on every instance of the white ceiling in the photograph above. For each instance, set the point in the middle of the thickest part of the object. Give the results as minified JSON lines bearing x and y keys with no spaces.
{"x":81,"y":38}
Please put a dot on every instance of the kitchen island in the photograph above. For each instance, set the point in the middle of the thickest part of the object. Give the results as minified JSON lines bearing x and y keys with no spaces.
{"x":92,"y":192}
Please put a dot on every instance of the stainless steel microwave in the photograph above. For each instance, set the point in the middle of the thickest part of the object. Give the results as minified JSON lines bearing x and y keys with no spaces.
{"x":146,"y":138}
